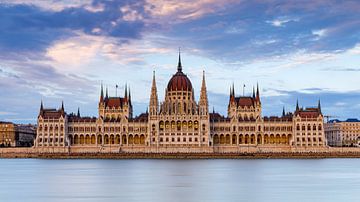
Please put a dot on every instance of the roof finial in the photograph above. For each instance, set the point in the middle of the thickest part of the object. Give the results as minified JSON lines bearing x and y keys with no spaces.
{"x":179,"y":67}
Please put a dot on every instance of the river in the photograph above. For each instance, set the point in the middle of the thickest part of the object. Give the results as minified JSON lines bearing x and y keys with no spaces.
{"x":180,"y":180}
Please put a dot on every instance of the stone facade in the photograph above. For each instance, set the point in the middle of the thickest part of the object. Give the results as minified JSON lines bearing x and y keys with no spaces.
{"x":343,"y":133}
{"x":179,"y":121}
{"x":16,"y":135}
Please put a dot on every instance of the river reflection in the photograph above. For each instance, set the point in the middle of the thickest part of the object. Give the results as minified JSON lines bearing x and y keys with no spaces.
{"x":179,"y":180}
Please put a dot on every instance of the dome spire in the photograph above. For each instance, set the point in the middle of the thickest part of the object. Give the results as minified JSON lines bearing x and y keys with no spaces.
{"x":179,"y":67}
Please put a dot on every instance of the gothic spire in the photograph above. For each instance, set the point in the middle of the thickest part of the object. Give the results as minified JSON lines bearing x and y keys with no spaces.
{"x":203,"y":93}
{"x":129,"y":96}
{"x":101,"y":93}
{"x":107,"y":94}
{"x":179,"y":67}
{"x":41,"y":106}
{"x":319,"y":106}
{"x":78,"y":112}
{"x":62,"y":105}
{"x":253,"y":92}
{"x":126,"y":92}
{"x":283,"y":112}
{"x":257,"y":92}
{"x":297,"y":105}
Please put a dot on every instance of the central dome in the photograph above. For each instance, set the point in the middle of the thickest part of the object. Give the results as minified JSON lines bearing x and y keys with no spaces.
{"x":179,"y":81}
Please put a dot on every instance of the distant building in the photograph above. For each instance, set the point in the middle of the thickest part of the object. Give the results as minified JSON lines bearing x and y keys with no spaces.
{"x":180,"y":121}
{"x":343,"y":133}
{"x":17,"y":135}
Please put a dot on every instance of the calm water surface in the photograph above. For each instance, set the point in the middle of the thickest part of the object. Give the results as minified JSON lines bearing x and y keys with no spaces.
{"x":179,"y":180}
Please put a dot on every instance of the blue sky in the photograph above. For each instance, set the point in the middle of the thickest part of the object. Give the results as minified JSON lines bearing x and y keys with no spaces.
{"x":62,"y":50}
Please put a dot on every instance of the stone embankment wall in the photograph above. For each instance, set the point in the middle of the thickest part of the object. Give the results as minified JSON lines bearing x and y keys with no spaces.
{"x":183,"y":152}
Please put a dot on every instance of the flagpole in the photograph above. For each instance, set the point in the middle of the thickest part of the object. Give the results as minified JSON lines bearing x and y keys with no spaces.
{"x":244,"y":90}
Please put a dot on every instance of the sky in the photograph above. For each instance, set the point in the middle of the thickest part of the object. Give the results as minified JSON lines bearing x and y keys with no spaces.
{"x":58,"y":51}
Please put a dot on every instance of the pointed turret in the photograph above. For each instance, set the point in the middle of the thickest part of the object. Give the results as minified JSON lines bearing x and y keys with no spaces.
{"x":126,"y":92}
{"x":203,"y":103}
{"x":319,"y":106}
{"x":62,"y":105}
{"x":41,"y":106}
{"x":78,"y":112}
{"x":107,"y":94}
{"x":102,"y":93}
{"x":179,"y":67}
{"x":129,"y":97}
{"x":257,"y":92}
{"x":233,"y":90}
{"x":283,"y":112}
{"x":153,"y":105}
{"x":253,"y":94}
{"x":297,"y":105}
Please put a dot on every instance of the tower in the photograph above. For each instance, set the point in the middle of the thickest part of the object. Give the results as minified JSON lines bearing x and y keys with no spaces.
{"x":153,"y":106}
{"x":203,"y":102}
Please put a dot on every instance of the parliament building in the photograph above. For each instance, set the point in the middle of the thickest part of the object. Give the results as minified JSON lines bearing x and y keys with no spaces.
{"x":179,"y":121}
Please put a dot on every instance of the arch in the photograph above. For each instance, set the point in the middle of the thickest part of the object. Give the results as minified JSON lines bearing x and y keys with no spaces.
{"x":246,"y":139}
{"x":106,"y":139}
{"x":123,"y":139}
{"x":241,"y":139}
{"x":71,"y":140}
{"x":136,"y":139}
{"x":178,"y":125}
{"x":252,"y":139}
{"x":142,"y":139}
{"x":266,"y":139}
{"x":222,"y":139}
{"x":173,"y":125}
{"x":272,"y":139}
{"x":277,"y":139}
{"x":167,"y":125}
{"x":82,"y":139}
{"x":99,"y":139}
{"x":161,"y":125}
{"x":227,"y":139}
{"x":216,"y":139}
{"x":184,"y":125}
{"x":283,"y":139}
{"x":233,"y":139}
{"x":117,"y":139}
{"x":190,"y":124}
{"x":131,"y":139}
{"x":259,"y":139}
{"x":87,"y":139}
{"x":112,"y":139}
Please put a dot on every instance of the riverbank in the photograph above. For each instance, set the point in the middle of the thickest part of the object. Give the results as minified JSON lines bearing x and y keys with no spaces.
{"x":276,"y":154}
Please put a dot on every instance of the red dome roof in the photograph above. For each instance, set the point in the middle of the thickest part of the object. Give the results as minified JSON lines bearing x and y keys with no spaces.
{"x":179,"y":82}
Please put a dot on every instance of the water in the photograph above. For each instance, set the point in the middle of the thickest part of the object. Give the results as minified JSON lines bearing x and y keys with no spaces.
{"x":179,"y":180}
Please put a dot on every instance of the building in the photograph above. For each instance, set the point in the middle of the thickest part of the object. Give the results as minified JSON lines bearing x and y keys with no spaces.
{"x":16,"y":135}
{"x":180,"y":121}
{"x":343,"y":133}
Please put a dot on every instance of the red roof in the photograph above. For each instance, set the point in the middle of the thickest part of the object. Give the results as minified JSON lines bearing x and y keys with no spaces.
{"x":308,"y":113}
{"x":115,"y":102}
{"x":244,"y":101}
{"x":51,"y":113}
{"x":179,"y":82}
